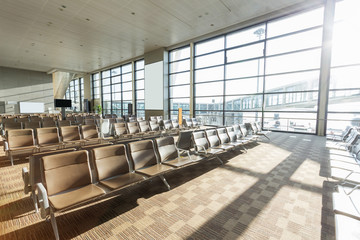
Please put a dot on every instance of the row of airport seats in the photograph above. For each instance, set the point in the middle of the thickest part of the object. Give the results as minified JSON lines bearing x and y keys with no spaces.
{"x":345,"y":167}
{"x":67,"y":179}
{"x":23,"y":142}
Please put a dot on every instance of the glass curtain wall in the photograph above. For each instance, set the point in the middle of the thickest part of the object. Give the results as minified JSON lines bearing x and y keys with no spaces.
{"x":75,"y":93}
{"x":268,"y":72}
{"x":344,"y":90}
{"x":179,"y":82}
{"x":139,"y":88}
{"x":114,"y":87}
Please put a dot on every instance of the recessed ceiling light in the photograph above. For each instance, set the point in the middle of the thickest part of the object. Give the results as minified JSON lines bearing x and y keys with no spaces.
{"x":212,"y":24}
{"x":81,"y":45}
{"x":44,"y":55}
{"x":63,"y":6}
{"x":61,"y":42}
{"x":60,"y":9}
{"x":132,"y":13}
{"x":200,"y":16}
{"x":32,"y":44}
{"x":87,"y":19}
{"x":26,"y":51}
{"x":206,"y":13}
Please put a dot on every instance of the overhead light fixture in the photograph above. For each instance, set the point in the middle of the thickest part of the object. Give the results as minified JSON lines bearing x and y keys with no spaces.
{"x":52,"y":71}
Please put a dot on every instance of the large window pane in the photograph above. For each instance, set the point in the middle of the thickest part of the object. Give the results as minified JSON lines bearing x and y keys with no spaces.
{"x":180,"y":78}
{"x":179,"y":54}
{"x":292,"y":122}
{"x":183,"y":103}
{"x":295,"y":22}
{"x":245,"y":36}
{"x":245,"y":69}
{"x":209,"y":46}
{"x":209,"y":60}
{"x":247,"y":102}
{"x":293,"y":62}
{"x":295,"y":42}
{"x":209,"y":103}
{"x":293,"y":101}
{"x":242,"y":53}
{"x":180,"y":91}
{"x":209,"y":74}
{"x":244,"y":86}
{"x":345,"y":77}
{"x":300,"y":81}
{"x":344,"y":101}
{"x":180,"y":66}
{"x":209,"y":89}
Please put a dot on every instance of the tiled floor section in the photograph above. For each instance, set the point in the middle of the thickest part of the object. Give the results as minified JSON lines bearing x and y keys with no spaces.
{"x":277,"y":190}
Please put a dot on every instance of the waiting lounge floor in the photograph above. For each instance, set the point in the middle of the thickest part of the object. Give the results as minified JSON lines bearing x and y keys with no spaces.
{"x":277,"y":190}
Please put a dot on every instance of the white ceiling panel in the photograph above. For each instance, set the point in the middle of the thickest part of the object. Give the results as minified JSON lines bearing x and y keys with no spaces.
{"x":85,"y":35}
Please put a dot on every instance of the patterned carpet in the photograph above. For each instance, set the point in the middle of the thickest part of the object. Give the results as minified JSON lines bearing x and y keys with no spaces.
{"x":277,"y":190}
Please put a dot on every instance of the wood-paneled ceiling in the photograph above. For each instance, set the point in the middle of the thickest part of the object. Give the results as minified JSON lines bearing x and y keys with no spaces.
{"x":85,"y":35}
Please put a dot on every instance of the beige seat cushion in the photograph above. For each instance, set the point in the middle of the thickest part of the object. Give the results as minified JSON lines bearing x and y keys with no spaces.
{"x":122,"y":180}
{"x":154,"y":170}
{"x":77,"y":196}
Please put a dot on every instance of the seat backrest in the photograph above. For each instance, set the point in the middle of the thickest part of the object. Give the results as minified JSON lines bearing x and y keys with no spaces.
{"x":254,"y":128}
{"x":188,"y":122}
{"x":154,"y":126}
{"x":22,"y":120}
{"x":8,"y":120}
{"x":249,"y":129}
{"x":79,"y":119}
{"x":89,"y":131}
{"x":231,"y":133}
{"x":45,"y":119}
{"x":132,"y":119}
{"x":144,"y":126}
{"x":48,"y":123}
{"x":32,"y":125}
{"x":195,"y":123}
{"x":63,"y":123}
{"x":70,"y":133}
{"x":200,"y":139}
{"x":212,"y":137}
{"x":167,"y":124}
{"x":48,"y":135}
{"x":120,"y":120}
{"x":20,"y":138}
{"x":142,"y":154}
{"x":108,"y":115}
{"x":89,"y":121}
{"x":35,"y":118}
{"x":223,"y":136}
{"x":175,"y":124}
{"x":34,"y":164}
{"x":110,"y":161}
{"x":243,"y":130}
{"x":153,"y":118}
{"x":66,"y":171}
{"x":185,"y":140}
{"x":133,"y":127}
{"x":12,"y":125}
{"x":165,"y":148}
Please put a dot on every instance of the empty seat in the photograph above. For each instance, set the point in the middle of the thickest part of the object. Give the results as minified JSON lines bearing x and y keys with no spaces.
{"x":48,"y":123}
{"x":32,"y":175}
{"x":214,"y":140}
{"x":19,"y":142}
{"x":63,"y":123}
{"x":48,"y":138}
{"x":112,"y":167}
{"x":89,"y":121}
{"x":225,"y":139}
{"x":257,"y":131}
{"x":144,"y":160}
{"x":188,"y":123}
{"x":35,"y":119}
{"x":32,"y":125}
{"x":67,"y":184}
{"x":133,"y":127}
{"x":120,"y":120}
{"x":202,"y":146}
{"x":90,"y":134}
{"x":70,"y":136}
{"x":168,"y":153}
{"x":145,"y":127}
{"x":234,"y":139}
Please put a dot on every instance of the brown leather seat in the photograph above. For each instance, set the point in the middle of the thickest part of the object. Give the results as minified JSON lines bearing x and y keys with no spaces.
{"x":32,"y":176}
{"x":112,"y":167}
{"x":90,"y":134}
{"x":48,"y":138}
{"x":19,"y":142}
{"x":142,"y":155}
{"x":168,"y":154}
{"x":67,"y":179}
{"x":71,"y":136}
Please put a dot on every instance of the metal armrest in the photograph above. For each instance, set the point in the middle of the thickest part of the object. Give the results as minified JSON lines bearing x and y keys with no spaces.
{"x":43,"y":200}
{"x":26,"y":179}
{"x":201,"y":147}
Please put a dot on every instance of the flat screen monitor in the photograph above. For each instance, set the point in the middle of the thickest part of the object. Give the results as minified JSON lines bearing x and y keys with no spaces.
{"x":62,"y":103}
